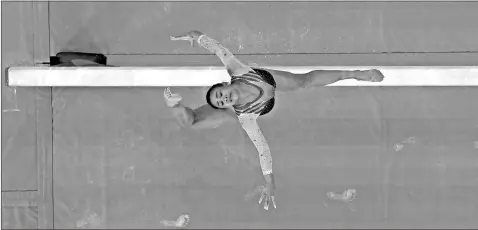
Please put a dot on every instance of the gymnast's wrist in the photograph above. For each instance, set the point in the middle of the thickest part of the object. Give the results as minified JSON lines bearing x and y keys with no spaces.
{"x":199,"y":38}
{"x":177,"y":105}
{"x":269,"y":178}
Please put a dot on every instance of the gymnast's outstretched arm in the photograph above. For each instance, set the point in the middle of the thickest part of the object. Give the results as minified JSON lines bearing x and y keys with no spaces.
{"x":249,"y":124}
{"x":202,"y":117}
{"x":233,"y":65}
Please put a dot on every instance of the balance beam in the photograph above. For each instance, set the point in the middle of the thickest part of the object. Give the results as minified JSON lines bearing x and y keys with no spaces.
{"x":207,"y":76}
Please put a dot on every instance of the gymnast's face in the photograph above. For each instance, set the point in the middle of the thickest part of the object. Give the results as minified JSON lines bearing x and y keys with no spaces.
{"x":224,"y":96}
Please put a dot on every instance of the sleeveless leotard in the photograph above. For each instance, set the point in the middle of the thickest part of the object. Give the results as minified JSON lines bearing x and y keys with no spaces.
{"x":264,"y":82}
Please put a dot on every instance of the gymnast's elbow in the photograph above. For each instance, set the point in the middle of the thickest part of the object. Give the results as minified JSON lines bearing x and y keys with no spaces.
{"x":185,"y":118}
{"x":184,"y":122}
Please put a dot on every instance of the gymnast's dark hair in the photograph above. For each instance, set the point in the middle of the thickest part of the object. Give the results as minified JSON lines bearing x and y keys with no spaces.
{"x":268,"y":107}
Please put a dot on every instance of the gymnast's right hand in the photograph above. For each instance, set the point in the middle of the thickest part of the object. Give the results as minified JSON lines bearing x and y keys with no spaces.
{"x":172,"y":99}
{"x":190,"y":36}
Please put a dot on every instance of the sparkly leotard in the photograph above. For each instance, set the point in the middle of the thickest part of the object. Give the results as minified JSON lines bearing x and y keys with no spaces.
{"x":264,"y":82}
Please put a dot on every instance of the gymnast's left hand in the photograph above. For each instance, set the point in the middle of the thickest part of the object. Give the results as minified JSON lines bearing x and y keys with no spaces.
{"x":268,"y":192}
{"x":191,"y":36}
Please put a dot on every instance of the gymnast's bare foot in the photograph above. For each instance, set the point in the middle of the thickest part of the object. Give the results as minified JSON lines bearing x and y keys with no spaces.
{"x":181,"y":222}
{"x":372,"y":75}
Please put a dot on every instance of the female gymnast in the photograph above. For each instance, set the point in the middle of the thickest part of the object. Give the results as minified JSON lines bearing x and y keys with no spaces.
{"x":250,"y":94}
